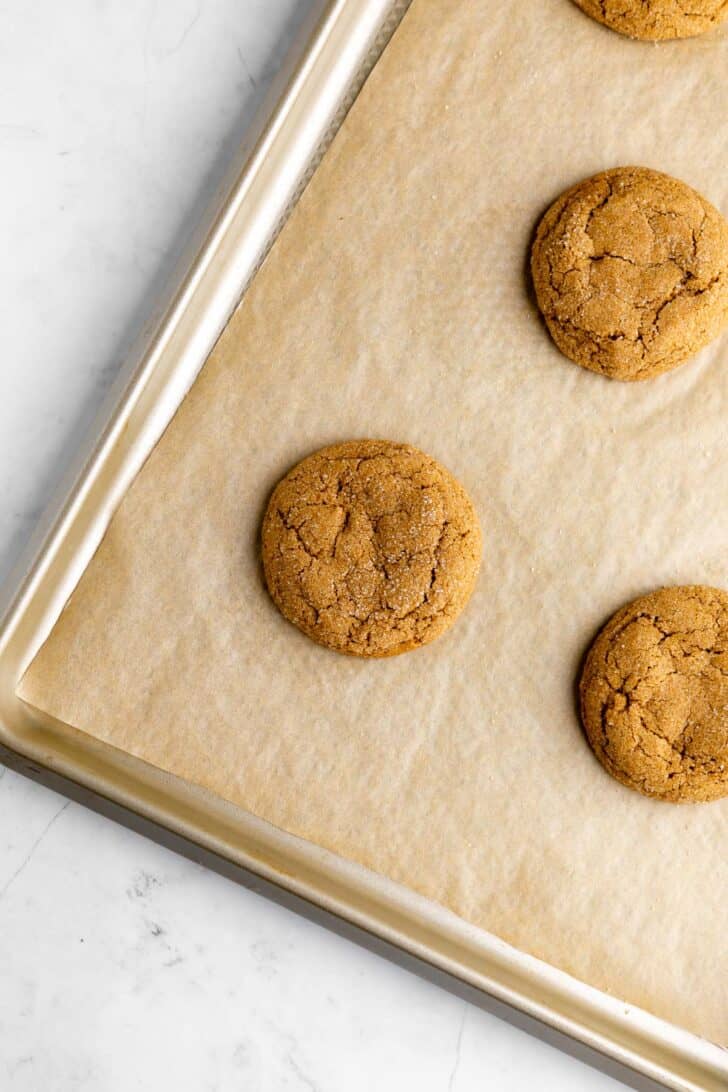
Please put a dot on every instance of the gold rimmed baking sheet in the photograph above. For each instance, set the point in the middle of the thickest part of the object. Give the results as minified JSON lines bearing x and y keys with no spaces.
{"x":395,"y":303}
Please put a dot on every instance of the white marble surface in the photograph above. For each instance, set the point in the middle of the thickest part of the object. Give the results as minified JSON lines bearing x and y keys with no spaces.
{"x":123,"y":966}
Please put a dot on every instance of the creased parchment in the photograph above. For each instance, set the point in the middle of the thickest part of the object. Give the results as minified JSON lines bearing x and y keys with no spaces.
{"x":396,"y":304}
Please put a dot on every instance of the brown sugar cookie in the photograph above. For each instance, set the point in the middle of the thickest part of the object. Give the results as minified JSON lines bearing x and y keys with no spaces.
{"x":655,"y":20}
{"x":654,"y":694}
{"x":370,"y":547}
{"x":630,"y":269}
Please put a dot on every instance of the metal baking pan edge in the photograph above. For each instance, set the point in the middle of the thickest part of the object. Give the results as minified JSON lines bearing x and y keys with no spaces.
{"x":325,"y":71}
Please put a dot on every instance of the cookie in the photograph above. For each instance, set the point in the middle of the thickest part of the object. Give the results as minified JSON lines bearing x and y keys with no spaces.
{"x":654,"y":694}
{"x":370,"y":547}
{"x":630,"y":270}
{"x":654,"y":20}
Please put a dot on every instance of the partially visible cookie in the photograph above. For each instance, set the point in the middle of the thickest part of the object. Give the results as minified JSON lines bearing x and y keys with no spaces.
{"x":657,"y":19}
{"x":630,"y":270}
{"x":370,"y":547}
{"x":654,"y":694}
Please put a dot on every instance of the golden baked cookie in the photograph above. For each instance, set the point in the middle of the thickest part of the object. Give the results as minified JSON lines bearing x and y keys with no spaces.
{"x":657,"y":19}
{"x":654,"y":694}
{"x":371,"y":548}
{"x":631,"y":272}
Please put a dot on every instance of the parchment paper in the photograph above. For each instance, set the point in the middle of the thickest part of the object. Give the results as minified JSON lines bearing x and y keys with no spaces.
{"x":395,"y":304}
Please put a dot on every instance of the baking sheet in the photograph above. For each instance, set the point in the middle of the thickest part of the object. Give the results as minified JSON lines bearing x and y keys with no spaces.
{"x":396,"y":304}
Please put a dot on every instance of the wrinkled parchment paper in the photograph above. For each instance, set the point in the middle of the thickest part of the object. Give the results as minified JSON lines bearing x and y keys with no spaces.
{"x":395,"y":304}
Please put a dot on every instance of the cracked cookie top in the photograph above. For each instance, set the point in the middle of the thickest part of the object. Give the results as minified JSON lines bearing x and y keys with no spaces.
{"x":630,"y":270}
{"x":654,"y":694}
{"x":370,"y":547}
{"x":657,"y":19}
